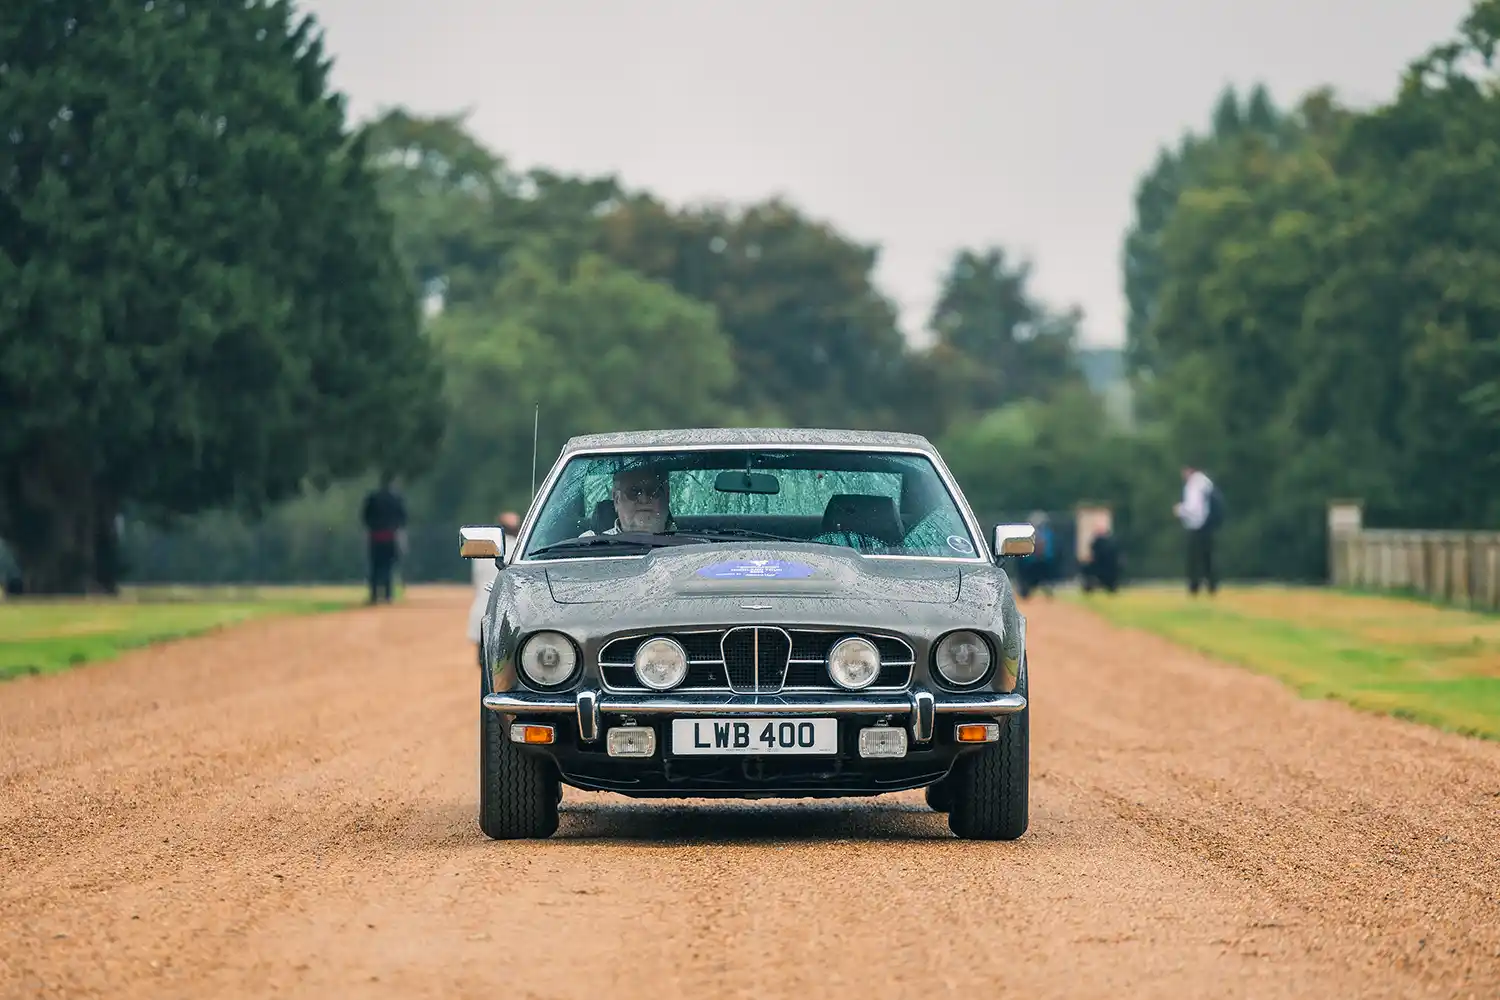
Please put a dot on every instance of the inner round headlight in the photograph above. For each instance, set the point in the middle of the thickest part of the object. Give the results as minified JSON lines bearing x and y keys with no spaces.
{"x":962,"y":658}
{"x":660,"y":664}
{"x":548,"y":659}
{"x":854,"y":663}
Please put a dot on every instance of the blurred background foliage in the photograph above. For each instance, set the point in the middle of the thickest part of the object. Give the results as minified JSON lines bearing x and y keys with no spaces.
{"x":1314,"y":300}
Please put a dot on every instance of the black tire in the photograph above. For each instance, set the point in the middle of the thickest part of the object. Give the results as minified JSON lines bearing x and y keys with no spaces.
{"x":990,"y":788}
{"x":939,"y":796}
{"x":518,"y":792}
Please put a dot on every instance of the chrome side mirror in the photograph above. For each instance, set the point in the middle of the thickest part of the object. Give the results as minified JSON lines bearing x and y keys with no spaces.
{"x":1015,"y":539}
{"x":481,"y":541}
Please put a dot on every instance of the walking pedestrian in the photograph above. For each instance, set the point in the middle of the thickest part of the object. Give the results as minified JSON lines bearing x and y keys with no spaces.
{"x":384,"y":517}
{"x":1199,"y":512}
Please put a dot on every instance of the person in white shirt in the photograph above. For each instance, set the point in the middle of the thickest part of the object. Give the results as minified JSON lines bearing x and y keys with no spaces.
{"x":484,"y":572}
{"x":1193,"y":511}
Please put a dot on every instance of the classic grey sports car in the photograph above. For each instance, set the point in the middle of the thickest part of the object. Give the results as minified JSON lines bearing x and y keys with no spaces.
{"x":752,"y":613}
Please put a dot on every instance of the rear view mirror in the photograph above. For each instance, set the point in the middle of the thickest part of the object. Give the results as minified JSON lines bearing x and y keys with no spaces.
{"x":1015,"y":539}
{"x":481,"y":541}
{"x":747,"y":482}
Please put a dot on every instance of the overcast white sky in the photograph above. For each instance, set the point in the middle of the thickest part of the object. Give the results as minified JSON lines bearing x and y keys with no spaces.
{"x":920,"y":125}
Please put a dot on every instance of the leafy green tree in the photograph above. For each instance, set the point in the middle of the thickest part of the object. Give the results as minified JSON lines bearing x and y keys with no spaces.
{"x":1176,"y":170}
{"x":1052,"y":454}
{"x":199,"y":296}
{"x":814,"y":339}
{"x":995,"y":342}
{"x":600,"y":349}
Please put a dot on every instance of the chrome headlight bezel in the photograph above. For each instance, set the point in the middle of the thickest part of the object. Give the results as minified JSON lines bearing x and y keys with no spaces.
{"x":671,"y":646}
{"x":852,"y":642}
{"x":568,"y":654}
{"x":943,"y":651}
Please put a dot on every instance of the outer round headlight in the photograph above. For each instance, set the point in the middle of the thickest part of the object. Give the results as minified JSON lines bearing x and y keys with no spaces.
{"x":548,"y":659}
{"x":660,"y":664}
{"x":962,"y":658}
{"x":854,"y":663}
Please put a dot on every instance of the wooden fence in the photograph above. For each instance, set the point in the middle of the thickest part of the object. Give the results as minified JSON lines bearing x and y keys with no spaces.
{"x":1456,"y":567}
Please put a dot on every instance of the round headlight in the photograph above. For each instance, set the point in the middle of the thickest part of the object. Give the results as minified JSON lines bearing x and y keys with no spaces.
{"x":548,"y":659}
{"x":660,"y":664}
{"x":854,"y":663}
{"x":962,"y":658}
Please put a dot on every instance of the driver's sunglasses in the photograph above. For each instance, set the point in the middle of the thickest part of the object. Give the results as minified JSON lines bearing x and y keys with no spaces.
{"x":649,"y":491}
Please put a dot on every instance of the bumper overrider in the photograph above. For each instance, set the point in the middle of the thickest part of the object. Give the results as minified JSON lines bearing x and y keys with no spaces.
{"x":624,"y":742}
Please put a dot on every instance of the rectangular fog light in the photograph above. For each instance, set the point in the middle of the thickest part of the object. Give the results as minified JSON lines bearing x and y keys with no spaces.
{"x":882,"y":741}
{"x":978,"y":732}
{"x":520,"y":732}
{"x":631,"y":741}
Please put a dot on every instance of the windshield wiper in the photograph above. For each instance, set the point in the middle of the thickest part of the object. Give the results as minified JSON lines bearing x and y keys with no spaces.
{"x":732,"y":534}
{"x":628,"y":539}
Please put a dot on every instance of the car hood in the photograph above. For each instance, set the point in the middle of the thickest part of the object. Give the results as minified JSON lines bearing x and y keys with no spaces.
{"x":720,"y":571}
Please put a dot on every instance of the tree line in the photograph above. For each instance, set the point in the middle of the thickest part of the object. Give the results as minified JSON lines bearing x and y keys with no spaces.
{"x":225,"y":309}
{"x":562,"y":304}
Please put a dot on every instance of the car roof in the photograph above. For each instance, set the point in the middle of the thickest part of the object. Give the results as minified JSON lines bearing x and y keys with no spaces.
{"x":747,"y":436}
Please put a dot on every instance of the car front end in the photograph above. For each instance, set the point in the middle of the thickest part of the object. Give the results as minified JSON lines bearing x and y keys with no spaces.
{"x":754,"y":708}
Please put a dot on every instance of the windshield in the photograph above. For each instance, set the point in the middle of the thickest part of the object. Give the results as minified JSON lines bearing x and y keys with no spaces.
{"x":878,"y":503}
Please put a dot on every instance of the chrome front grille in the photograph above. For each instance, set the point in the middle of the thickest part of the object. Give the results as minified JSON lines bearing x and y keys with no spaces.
{"x":757,"y":659}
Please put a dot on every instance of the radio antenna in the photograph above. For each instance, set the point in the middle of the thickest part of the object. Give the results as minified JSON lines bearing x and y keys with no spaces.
{"x":536,"y":423}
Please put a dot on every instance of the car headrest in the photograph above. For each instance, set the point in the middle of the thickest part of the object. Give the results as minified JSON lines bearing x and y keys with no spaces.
{"x":604,"y":516}
{"x":862,"y":514}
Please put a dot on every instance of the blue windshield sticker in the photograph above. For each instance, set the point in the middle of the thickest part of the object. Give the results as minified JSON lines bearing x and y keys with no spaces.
{"x":959,"y":544}
{"x":756,"y":569}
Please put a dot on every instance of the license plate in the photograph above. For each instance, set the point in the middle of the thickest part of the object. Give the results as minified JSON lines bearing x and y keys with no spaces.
{"x":755,"y":736}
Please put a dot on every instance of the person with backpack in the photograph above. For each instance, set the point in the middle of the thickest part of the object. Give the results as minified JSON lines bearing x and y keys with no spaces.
{"x":1201,"y":511}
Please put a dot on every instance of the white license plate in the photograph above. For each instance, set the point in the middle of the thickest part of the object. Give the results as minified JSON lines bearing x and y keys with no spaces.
{"x":755,"y":736}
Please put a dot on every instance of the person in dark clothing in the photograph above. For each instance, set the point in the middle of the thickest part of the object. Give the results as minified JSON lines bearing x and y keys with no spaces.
{"x":1039,"y":569}
{"x":1103,"y":567}
{"x":384,"y":518}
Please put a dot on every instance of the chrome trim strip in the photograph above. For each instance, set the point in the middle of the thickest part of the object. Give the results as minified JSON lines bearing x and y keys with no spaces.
{"x":923,"y":716}
{"x":982,"y":552}
{"x":588,"y":716}
{"x":754,"y":659}
{"x":993,"y":703}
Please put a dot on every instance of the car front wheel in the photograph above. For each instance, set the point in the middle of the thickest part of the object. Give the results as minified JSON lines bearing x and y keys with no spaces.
{"x":988,"y":793}
{"x":518,"y":792}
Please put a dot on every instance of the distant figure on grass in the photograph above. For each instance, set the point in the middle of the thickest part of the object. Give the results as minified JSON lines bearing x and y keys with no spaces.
{"x":1039,"y":568}
{"x":484,"y":573}
{"x":1200,"y":510}
{"x":384,"y":517}
{"x":1103,"y":567}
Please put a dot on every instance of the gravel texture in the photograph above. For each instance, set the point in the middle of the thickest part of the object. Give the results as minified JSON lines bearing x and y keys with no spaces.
{"x":288,"y":808}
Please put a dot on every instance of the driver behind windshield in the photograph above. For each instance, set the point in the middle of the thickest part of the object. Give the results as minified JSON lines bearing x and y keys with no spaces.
{"x":642,"y":499}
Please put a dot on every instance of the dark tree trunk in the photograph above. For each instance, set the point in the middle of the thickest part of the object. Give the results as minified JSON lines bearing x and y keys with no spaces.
{"x":57,"y":527}
{"x":107,"y":563}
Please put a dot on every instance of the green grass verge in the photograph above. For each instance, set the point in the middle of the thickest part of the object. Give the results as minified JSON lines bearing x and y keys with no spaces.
{"x":1410,"y":659}
{"x":45,"y":636}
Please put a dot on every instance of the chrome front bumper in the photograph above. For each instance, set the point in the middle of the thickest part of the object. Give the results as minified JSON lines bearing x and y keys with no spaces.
{"x":920,"y":705}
